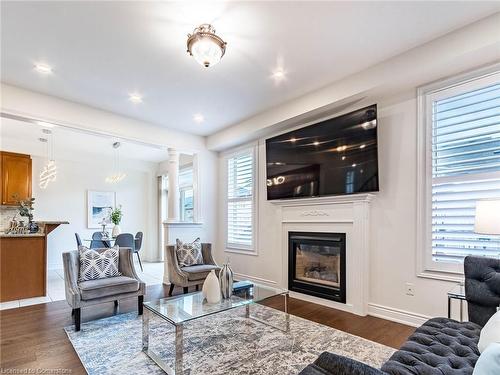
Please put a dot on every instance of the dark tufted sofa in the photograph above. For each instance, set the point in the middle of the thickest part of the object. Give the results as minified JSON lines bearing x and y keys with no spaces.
{"x":441,"y":346}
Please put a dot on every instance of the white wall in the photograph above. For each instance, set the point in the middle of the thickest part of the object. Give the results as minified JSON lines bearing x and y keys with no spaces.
{"x":392,"y":85}
{"x":66,"y":199}
{"x":471,"y":46}
{"x":18,"y":101}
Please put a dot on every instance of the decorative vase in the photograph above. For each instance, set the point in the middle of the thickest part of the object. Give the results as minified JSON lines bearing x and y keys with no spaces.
{"x":211,"y":288}
{"x":116,"y":231}
{"x":33,"y":227}
{"x":226,"y":281}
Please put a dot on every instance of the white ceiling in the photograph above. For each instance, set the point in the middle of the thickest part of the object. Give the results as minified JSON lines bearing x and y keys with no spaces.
{"x":102,"y":51}
{"x":23,"y":137}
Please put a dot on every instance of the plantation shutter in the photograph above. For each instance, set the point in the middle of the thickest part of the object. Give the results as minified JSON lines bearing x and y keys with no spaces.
{"x":465,"y":168}
{"x":240,"y":200}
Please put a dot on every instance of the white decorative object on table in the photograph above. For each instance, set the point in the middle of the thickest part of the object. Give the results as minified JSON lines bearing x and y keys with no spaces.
{"x":211,"y":288}
{"x":116,"y":231}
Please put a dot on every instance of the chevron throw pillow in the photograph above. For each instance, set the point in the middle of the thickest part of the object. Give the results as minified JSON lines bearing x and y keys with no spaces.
{"x":98,"y":264}
{"x":189,"y":253}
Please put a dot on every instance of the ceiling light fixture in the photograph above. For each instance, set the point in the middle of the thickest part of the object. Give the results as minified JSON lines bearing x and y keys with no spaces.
{"x":135,"y":98}
{"x":45,"y":124}
{"x":316,"y":143}
{"x":49,"y":171}
{"x":362,"y":146}
{"x":117,"y":176}
{"x":341,"y":148}
{"x":205,"y":46}
{"x":354,"y":165}
{"x":198,"y":118}
{"x":278,"y":74}
{"x":292,"y":140}
{"x":43,"y":68}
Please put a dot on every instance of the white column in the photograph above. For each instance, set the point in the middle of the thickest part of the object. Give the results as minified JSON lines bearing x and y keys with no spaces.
{"x":173,"y":186}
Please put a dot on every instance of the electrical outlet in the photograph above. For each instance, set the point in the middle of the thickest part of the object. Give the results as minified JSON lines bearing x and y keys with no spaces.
{"x":410,"y":289}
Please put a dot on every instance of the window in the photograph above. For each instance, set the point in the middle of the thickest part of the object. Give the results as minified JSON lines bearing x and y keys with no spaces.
{"x":240,"y":201}
{"x":462,"y":154}
{"x":186,"y":194}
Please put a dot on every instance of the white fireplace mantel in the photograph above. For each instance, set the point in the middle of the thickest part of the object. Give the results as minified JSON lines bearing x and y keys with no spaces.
{"x":347,"y":214}
{"x":320,"y":201}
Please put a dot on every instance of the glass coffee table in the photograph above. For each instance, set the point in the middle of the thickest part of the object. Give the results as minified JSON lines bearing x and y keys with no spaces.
{"x":177,"y":311}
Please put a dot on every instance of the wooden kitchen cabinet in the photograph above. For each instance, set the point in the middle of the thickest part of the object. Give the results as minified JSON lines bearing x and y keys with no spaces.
{"x":23,"y":267}
{"x":15,"y":170}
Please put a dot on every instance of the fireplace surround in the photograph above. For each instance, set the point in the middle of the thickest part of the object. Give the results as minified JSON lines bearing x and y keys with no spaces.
{"x":317,"y":264}
{"x":349,"y":214}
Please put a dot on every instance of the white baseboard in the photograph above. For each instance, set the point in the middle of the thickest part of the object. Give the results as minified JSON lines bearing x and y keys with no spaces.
{"x":397,"y":315}
{"x":347,"y":307}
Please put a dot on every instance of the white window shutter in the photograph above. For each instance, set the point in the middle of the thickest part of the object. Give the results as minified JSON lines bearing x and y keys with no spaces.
{"x":240,"y":201}
{"x":465,"y":168}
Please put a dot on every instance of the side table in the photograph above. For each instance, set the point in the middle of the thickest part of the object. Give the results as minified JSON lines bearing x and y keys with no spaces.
{"x":458,"y":292}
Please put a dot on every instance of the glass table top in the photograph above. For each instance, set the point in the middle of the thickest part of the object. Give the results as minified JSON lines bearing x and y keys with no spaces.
{"x":192,"y":306}
{"x":458,"y":291}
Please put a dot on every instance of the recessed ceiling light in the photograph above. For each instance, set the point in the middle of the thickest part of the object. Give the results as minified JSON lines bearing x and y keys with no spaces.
{"x":198,"y":118}
{"x":45,"y":124}
{"x":278,"y":74}
{"x":343,"y":157}
{"x":362,"y":146}
{"x":43,"y":68}
{"x":354,"y":165}
{"x":341,"y":148}
{"x":292,"y":139}
{"x":135,"y":98}
{"x":316,"y":143}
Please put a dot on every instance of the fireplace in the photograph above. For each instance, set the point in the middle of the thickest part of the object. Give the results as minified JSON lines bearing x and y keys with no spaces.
{"x":316,"y":264}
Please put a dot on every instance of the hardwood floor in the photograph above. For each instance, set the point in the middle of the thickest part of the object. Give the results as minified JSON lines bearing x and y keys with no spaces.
{"x":32,"y":337}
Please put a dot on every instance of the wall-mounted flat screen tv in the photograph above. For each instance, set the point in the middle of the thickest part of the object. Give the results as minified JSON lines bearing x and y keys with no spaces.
{"x":332,"y":157}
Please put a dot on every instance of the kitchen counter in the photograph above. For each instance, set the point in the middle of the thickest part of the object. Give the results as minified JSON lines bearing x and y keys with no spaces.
{"x":23,"y":263}
{"x":40,"y":222}
{"x":13,"y":235}
{"x":45,"y":227}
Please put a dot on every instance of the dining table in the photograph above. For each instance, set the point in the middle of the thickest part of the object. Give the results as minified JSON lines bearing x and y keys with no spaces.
{"x":110,"y":241}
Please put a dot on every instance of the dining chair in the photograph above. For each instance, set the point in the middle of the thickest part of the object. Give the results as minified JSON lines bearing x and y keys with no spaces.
{"x":128,"y":240}
{"x":138,"y":245}
{"x":97,"y":241}
{"x":78,"y":240}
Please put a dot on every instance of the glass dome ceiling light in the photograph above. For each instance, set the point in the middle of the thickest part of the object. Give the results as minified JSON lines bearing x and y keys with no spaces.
{"x":205,"y":46}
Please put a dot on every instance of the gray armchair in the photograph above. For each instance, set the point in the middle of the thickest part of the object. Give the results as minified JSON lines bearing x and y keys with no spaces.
{"x":92,"y":292}
{"x":192,"y":275}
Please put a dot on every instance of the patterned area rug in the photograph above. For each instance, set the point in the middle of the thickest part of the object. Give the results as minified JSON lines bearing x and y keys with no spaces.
{"x":224,"y":343}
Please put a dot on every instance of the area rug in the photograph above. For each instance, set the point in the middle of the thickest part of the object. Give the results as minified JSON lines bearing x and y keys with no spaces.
{"x":224,"y":343}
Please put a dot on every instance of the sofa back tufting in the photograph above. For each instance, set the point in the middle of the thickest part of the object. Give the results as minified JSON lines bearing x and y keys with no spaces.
{"x":482,"y":287}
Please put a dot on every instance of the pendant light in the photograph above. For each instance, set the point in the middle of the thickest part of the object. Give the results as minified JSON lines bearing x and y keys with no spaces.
{"x":49,"y":171}
{"x":117,"y":175}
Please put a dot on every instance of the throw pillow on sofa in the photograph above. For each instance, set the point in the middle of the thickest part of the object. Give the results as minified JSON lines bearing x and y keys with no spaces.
{"x":189,"y":253}
{"x":490,"y":332}
{"x":98,"y":264}
{"x":488,"y":362}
